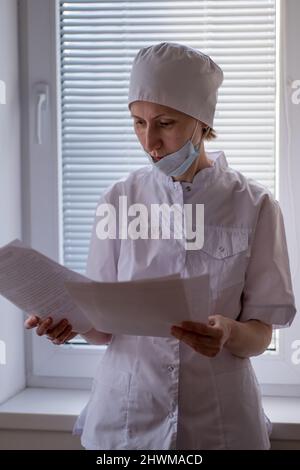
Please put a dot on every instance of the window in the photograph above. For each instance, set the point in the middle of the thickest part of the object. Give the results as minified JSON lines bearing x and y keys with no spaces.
{"x":98,"y":41}
{"x":85,"y":50}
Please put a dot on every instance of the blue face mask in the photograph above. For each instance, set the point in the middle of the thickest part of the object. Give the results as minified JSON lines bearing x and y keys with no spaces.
{"x":177,"y":163}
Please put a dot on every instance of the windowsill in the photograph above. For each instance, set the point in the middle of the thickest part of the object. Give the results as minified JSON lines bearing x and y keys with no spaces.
{"x":44,"y":409}
{"x":284,"y":413}
{"x":56,"y":410}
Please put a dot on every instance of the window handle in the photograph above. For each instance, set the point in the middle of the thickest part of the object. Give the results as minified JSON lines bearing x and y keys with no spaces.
{"x":41,"y":107}
{"x":2,"y":92}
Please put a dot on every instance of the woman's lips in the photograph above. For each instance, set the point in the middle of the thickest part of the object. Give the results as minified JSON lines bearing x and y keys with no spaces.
{"x":157,"y":158}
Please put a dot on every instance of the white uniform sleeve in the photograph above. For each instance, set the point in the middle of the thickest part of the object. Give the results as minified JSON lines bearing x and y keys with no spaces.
{"x":102,"y":262}
{"x":268,"y":294}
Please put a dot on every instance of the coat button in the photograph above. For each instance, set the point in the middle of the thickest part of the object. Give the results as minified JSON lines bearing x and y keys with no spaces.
{"x":170,"y":368}
{"x":188,"y":188}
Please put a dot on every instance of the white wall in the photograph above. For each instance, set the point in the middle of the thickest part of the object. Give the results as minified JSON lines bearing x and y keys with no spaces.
{"x":289,"y":170}
{"x":289,"y":126}
{"x":293,"y":74}
{"x":12,"y":375}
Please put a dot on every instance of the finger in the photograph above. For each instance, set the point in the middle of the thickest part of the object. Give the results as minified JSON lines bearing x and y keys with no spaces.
{"x":200,"y":348}
{"x":195,"y":339}
{"x":183,"y":334}
{"x":71,"y":336}
{"x":66,"y":336}
{"x":207,"y":352}
{"x":61,"y":338}
{"x":204,"y":341}
{"x":201,"y":328}
{"x":58,"y":329}
{"x":31,"y":322}
{"x":43,"y":326}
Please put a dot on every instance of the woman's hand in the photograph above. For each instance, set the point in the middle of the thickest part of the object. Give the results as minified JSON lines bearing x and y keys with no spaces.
{"x":207,"y":339}
{"x":59,"y":333}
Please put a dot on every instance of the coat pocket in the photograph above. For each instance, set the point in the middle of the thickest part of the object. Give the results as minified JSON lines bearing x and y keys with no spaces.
{"x":226,"y":251}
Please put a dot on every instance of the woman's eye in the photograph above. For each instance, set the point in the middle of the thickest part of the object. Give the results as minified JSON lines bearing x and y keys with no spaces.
{"x":165,"y":124}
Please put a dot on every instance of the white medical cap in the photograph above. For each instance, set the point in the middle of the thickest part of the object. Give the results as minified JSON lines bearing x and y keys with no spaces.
{"x":176,"y":76}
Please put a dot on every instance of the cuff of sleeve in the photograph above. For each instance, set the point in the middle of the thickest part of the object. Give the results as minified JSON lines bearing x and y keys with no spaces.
{"x":279,"y":316}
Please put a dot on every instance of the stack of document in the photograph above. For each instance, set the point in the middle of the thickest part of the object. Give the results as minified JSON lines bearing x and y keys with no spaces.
{"x":147,"y":307}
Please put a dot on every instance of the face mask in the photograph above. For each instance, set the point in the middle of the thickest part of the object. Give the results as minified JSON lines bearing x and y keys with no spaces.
{"x":177,"y":163}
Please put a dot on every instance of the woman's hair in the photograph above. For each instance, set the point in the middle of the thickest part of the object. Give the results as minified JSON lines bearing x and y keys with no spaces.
{"x":209,"y":133}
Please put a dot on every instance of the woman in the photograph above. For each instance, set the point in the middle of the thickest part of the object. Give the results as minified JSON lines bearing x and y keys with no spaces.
{"x":196,"y":389}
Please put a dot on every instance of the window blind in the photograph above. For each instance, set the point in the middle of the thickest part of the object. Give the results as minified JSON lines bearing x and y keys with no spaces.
{"x":98,"y":41}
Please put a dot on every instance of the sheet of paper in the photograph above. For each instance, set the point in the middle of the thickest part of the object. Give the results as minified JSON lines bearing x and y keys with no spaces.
{"x":35,"y":284}
{"x":145,"y":307}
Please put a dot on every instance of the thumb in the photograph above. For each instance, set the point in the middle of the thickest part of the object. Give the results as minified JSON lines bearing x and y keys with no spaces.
{"x":211,"y":320}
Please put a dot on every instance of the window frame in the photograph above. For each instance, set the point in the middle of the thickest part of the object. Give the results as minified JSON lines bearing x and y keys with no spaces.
{"x":46,"y":364}
{"x":42,"y":227}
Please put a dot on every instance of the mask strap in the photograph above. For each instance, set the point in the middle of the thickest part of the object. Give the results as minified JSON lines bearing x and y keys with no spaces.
{"x":203,"y":131}
{"x":194,"y":131}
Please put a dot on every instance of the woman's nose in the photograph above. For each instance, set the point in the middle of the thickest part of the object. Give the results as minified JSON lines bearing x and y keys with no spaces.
{"x":152,"y":140}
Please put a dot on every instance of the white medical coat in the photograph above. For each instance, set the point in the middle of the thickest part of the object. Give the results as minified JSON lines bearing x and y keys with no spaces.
{"x":158,"y":393}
